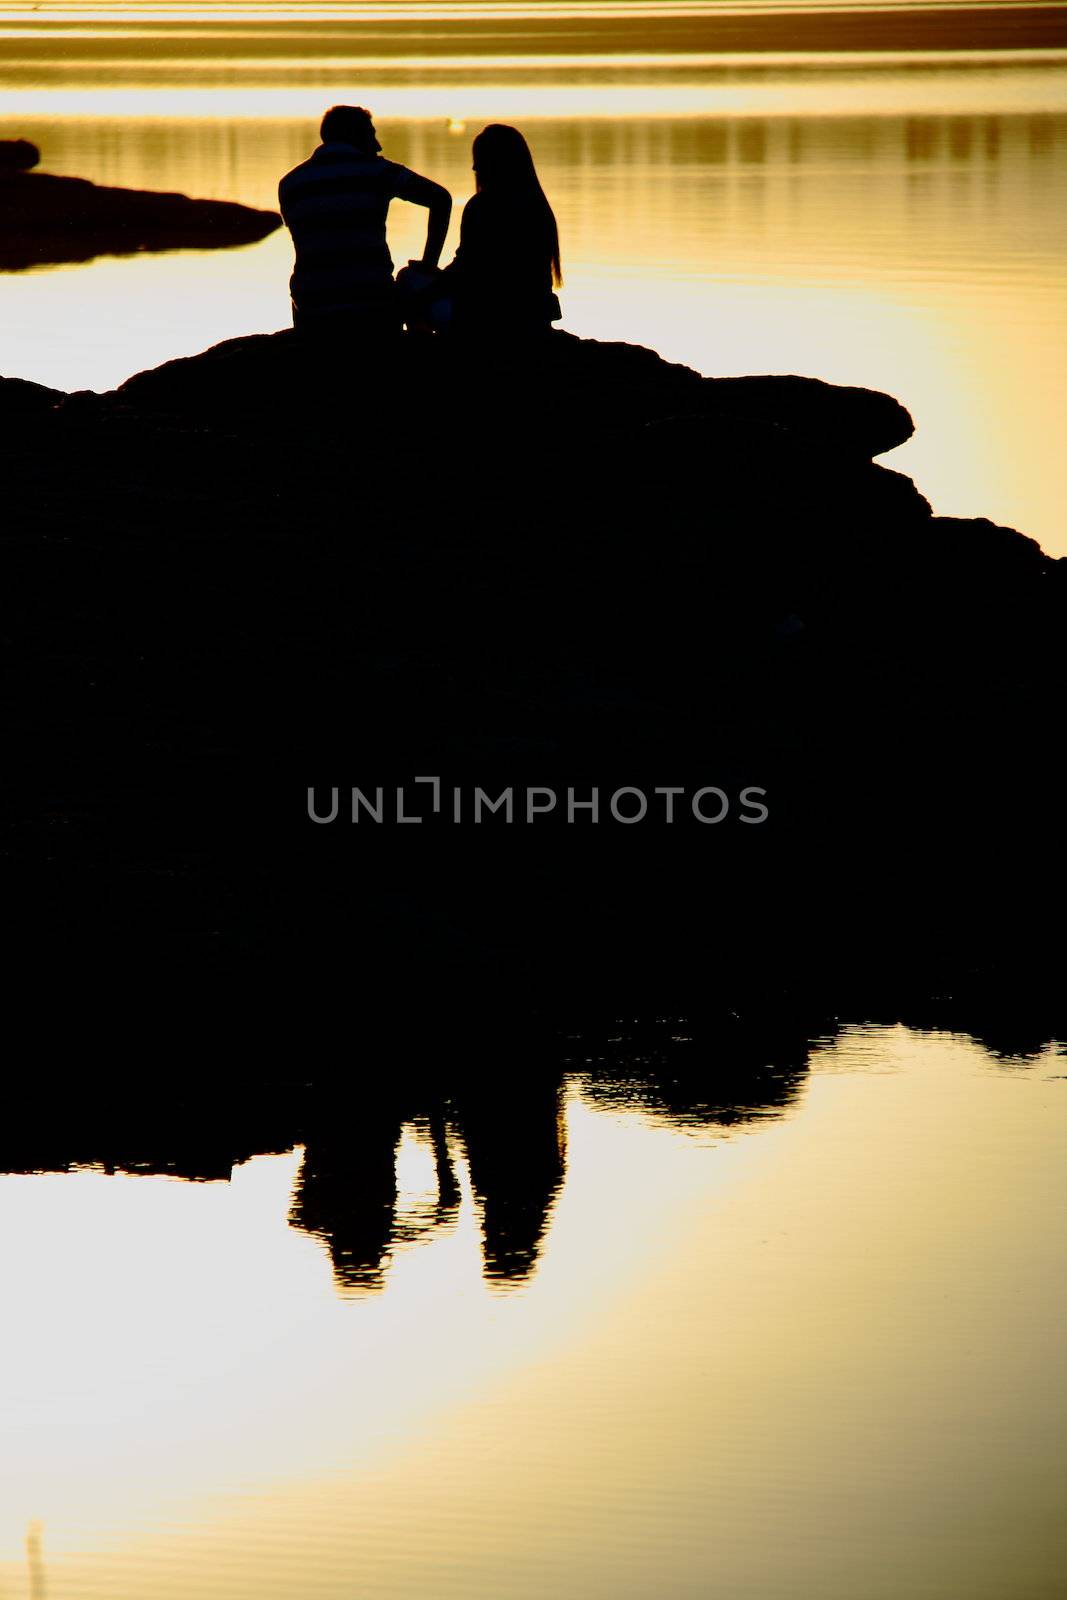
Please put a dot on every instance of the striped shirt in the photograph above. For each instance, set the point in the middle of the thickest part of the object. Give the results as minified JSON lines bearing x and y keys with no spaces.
{"x":335,"y":205}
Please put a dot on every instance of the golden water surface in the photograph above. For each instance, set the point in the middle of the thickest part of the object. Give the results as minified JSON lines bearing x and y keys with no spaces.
{"x":808,"y":1349}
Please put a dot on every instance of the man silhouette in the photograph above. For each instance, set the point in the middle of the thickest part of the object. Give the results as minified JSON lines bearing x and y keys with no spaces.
{"x":335,"y":206}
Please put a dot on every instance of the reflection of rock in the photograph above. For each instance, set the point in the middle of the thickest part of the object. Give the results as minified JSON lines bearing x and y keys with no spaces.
{"x":194,"y":1130}
{"x":724,"y":1071}
{"x":694,"y":1076}
{"x":506,"y":1119}
{"x":48,"y":218}
{"x":18,"y":155}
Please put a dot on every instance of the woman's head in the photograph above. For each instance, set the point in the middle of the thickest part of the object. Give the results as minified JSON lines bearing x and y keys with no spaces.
{"x":504,"y":168}
{"x":502,"y":158}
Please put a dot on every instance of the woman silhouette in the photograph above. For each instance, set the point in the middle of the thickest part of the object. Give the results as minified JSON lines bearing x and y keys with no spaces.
{"x":507,"y":265}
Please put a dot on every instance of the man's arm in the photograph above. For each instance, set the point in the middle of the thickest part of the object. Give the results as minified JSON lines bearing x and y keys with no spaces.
{"x":438,"y":201}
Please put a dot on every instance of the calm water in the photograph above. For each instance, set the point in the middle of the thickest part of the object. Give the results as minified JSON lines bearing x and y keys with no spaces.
{"x":888,"y":220}
{"x":805,"y":1345}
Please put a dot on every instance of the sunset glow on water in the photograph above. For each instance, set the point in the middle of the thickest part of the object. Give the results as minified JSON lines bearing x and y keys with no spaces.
{"x":835,"y":1321}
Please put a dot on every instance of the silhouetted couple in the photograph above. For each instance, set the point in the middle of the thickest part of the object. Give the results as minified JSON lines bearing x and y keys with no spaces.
{"x":335,"y":204}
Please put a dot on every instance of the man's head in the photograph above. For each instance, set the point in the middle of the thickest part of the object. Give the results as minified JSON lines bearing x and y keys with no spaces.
{"x":349,"y":125}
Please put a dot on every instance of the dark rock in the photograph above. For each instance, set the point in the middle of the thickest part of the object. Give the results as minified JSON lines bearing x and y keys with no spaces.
{"x":975,"y":545}
{"x":19,"y":397}
{"x":573,"y":564}
{"x":587,"y":382}
{"x":263,"y":372}
{"x":852,"y":420}
{"x":46,"y":218}
{"x":18,"y":155}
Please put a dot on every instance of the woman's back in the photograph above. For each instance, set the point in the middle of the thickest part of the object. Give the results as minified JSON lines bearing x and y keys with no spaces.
{"x":508,"y":257}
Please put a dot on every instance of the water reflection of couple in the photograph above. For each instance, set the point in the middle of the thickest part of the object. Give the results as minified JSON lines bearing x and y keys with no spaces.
{"x":501,"y":282}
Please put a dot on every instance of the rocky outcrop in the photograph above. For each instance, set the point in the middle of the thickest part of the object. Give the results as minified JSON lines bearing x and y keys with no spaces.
{"x":18,"y":155}
{"x":571,"y":566}
{"x":596,"y":384}
{"x":19,"y":397}
{"x":46,"y":218}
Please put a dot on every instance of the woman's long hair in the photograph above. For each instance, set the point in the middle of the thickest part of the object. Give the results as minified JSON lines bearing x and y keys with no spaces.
{"x":504,"y":166}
